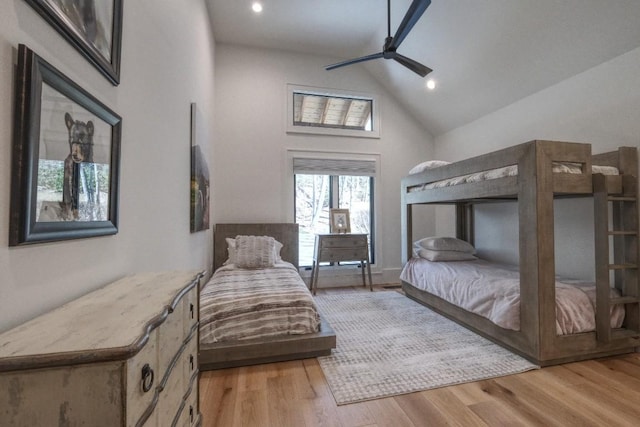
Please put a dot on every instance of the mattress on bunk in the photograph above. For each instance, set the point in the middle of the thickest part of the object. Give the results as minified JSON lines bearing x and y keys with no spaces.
{"x":239,"y":304}
{"x":558,"y":167}
{"x":493,"y":291}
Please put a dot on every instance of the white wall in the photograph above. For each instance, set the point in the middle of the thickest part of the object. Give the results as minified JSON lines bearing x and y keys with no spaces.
{"x":600,"y":106}
{"x":253,"y":180}
{"x":167,"y":63}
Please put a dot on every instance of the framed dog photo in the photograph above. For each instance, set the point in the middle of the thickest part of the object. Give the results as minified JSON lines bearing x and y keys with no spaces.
{"x":66,"y":157}
{"x":339,"y":221}
{"x":93,"y":27}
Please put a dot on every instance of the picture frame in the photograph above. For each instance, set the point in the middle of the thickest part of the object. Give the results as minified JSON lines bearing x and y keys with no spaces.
{"x":94,"y":28}
{"x":65,"y":160}
{"x":200,"y":182}
{"x":339,"y":221}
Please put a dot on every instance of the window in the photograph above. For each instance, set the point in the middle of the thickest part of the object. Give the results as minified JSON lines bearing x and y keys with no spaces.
{"x":322,"y":184}
{"x":336,"y":112}
{"x":331,"y":112}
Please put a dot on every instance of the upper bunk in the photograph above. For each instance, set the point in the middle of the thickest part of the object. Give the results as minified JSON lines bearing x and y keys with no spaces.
{"x":560,"y":168}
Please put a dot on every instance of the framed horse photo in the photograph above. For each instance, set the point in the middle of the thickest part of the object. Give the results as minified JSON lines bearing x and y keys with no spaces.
{"x":94,"y":28}
{"x":66,"y":157}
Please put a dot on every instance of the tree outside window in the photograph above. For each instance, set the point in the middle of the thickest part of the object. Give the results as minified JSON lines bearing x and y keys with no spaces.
{"x":316,"y":194}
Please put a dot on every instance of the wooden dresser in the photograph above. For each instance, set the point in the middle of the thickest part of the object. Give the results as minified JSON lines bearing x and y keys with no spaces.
{"x":340,"y":247}
{"x":124,"y":355}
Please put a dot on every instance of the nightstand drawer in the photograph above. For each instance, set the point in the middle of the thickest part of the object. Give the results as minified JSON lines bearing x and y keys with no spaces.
{"x":343,"y":254}
{"x":344,"y":241}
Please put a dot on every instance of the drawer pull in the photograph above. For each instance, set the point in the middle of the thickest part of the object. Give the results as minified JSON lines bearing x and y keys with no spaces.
{"x":191,"y":414}
{"x":191,"y":361}
{"x":191,"y":309}
{"x":147,"y":378}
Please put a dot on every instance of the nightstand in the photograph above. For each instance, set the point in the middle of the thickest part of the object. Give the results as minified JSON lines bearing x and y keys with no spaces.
{"x":337,"y":248}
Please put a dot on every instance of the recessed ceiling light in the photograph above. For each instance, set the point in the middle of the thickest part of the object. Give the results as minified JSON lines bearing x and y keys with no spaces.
{"x":431,"y":84}
{"x":257,"y":7}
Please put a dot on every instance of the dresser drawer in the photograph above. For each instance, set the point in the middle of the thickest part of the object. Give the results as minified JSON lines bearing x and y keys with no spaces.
{"x":171,"y":337}
{"x":190,"y":361}
{"x":142,"y":365}
{"x":190,"y":310}
{"x":190,"y":413}
{"x":177,"y":384}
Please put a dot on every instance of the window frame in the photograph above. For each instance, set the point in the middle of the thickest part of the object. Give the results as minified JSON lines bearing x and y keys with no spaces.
{"x":289,"y":182}
{"x":341,"y":93}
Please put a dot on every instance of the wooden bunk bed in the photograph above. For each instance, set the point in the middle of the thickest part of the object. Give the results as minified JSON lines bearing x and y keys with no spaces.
{"x":226,"y":354}
{"x":534,"y":187}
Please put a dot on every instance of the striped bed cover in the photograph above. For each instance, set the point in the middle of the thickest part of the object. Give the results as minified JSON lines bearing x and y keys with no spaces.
{"x":240,"y":304}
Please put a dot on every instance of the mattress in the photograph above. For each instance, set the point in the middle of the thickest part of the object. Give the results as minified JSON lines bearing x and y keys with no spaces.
{"x":493,"y":291}
{"x":570,"y":168}
{"x":241,"y":304}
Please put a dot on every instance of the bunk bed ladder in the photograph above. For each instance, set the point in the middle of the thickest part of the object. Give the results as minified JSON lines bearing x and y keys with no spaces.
{"x":620,"y":212}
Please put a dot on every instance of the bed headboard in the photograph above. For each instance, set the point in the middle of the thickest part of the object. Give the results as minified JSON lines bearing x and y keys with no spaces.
{"x":287,"y":234}
{"x":624,"y":158}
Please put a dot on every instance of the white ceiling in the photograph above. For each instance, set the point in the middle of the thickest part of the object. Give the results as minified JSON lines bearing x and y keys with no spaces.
{"x":486,"y":54}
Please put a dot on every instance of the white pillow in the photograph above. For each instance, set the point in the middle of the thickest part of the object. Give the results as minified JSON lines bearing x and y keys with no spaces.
{"x":445,"y":255}
{"x":231,"y":250}
{"x":429,"y":164}
{"x":445,"y":244}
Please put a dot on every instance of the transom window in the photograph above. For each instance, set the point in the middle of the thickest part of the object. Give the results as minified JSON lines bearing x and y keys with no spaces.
{"x":332,"y":112}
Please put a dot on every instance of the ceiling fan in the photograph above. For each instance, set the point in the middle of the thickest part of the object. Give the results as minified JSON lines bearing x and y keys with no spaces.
{"x":391,"y":44}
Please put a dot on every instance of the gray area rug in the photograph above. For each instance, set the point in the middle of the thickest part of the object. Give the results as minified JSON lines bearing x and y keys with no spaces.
{"x":388,"y":344}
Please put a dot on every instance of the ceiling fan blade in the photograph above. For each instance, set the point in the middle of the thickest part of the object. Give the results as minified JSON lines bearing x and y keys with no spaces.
{"x":412,"y":16}
{"x":354,"y":61}
{"x":414,"y":66}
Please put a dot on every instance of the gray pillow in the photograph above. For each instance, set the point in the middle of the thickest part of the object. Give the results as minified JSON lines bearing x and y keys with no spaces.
{"x":255,"y":251}
{"x":445,"y":244}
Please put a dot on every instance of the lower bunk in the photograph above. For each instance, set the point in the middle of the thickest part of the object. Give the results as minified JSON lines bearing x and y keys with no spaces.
{"x":256,"y":308}
{"x":485,"y":297}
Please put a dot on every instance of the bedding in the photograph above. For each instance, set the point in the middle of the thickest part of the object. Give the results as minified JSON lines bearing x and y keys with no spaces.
{"x":493,"y":291}
{"x":241,"y":304}
{"x":558,"y":167}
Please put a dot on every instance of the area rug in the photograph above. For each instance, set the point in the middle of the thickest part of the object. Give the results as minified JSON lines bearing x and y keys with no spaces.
{"x":388,"y":345}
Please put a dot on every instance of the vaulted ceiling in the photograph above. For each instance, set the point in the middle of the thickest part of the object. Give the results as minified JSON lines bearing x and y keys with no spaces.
{"x":486,"y":54}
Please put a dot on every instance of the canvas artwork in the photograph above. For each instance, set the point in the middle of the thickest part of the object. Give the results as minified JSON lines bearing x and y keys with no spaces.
{"x":200,"y":184}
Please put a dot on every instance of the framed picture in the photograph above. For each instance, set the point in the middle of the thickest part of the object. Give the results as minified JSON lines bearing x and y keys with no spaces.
{"x":200,"y":186}
{"x":93,"y":27}
{"x":340,"y":221}
{"x":66,"y":156}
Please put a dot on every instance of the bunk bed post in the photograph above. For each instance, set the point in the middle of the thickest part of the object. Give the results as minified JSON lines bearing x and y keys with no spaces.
{"x":464,"y":222}
{"x":537,"y":261}
{"x":406,"y":226}
{"x":601,"y":236}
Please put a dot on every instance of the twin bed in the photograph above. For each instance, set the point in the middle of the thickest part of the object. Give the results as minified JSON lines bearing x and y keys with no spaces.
{"x":264,"y":313}
{"x":529,"y":311}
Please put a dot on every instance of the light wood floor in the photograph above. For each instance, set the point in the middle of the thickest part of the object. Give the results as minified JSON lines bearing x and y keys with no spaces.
{"x":604,"y":392}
